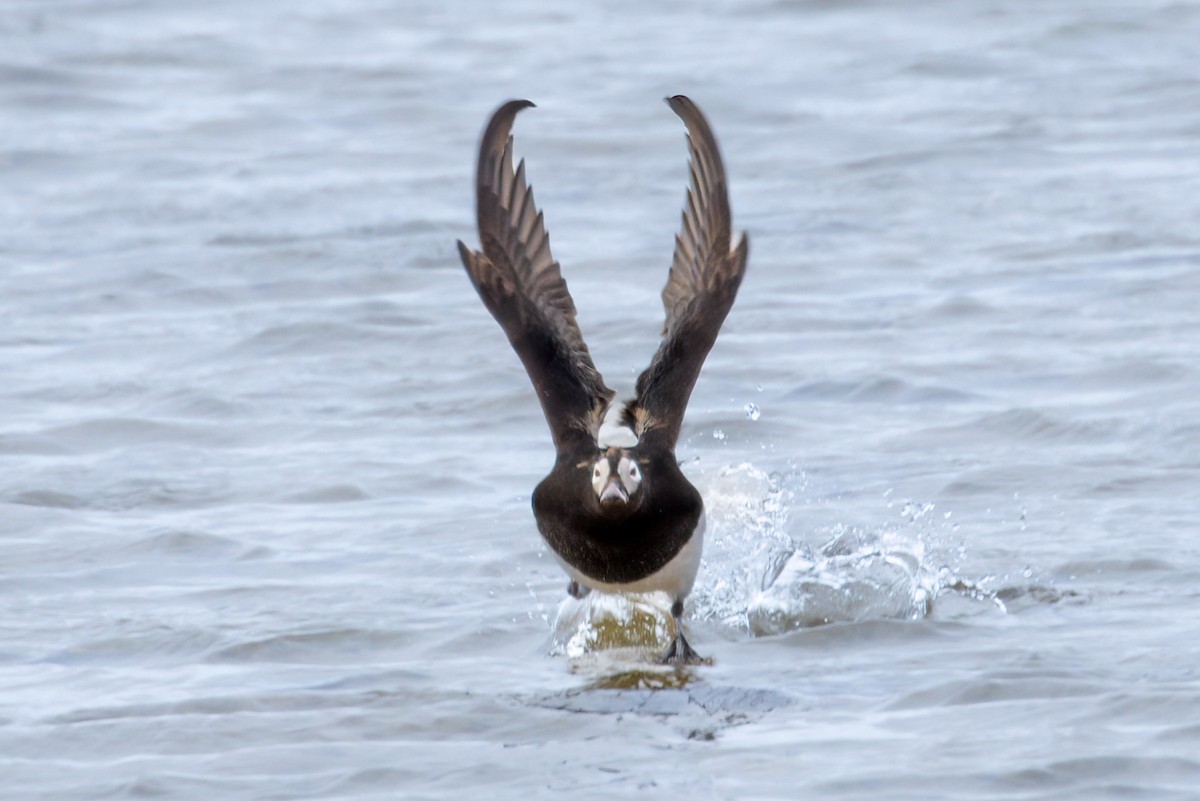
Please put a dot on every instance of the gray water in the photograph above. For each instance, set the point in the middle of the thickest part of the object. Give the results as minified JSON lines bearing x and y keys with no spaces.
{"x":265,"y":461}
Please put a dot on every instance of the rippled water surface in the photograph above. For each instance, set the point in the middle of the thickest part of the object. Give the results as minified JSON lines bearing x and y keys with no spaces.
{"x":265,"y":461}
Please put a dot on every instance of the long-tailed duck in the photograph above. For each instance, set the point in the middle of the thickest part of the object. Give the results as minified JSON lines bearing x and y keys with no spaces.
{"x":616,"y":510}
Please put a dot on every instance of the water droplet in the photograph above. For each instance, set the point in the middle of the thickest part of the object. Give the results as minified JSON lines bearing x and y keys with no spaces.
{"x":752,"y":411}
{"x":718,"y":434}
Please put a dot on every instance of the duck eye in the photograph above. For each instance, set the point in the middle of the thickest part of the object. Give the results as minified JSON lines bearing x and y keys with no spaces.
{"x":633,"y":471}
{"x":596,"y":473}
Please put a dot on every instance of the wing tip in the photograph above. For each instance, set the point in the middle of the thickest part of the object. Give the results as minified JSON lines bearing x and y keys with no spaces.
{"x":513,"y":106}
{"x":677,"y":102}
{"x":686,"y":110}
{"x":509,"y":110}
{"x":702,"y":141}
{"x":496,"y":134}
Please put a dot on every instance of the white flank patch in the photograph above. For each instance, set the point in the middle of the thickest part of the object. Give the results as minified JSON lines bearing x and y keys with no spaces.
{"x":612,"y":434}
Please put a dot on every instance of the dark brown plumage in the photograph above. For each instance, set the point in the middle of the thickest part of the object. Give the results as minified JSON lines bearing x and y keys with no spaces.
{"x":618,"y":518}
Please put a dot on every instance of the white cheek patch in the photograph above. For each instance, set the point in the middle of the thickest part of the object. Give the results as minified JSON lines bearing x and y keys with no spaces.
{"x":600,"y":476}
{"x":630,"y":473}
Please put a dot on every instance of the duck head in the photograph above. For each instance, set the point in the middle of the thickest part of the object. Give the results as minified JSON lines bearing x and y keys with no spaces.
{"x":617,"y":481}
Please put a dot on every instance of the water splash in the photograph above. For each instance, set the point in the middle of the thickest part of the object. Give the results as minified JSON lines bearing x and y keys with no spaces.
{"x":745,"y":544}
{"x":757,"y":579}
{"x":855,"y":576}
{"x":602,"y":622}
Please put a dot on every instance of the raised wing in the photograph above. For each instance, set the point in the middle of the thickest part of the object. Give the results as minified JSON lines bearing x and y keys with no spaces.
{"x":703,"y":282}
{"x":522,"y":286}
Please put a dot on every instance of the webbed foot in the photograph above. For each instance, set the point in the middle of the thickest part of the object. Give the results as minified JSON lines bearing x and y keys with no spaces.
{"x":680,"y":653}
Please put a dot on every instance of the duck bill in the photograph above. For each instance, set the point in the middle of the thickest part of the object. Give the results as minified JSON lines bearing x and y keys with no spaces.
{"x":614,"y":496}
